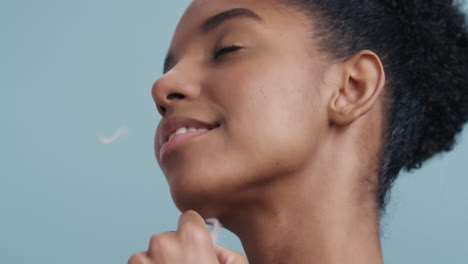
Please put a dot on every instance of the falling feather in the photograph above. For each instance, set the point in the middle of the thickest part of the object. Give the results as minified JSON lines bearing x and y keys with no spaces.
{"x":117,"y":134}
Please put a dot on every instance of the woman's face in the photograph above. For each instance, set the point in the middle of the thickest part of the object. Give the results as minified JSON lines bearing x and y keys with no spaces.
{"x":262,"y":99}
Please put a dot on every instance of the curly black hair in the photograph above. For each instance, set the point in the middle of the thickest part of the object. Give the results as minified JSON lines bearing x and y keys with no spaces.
{"x":423,"y":46}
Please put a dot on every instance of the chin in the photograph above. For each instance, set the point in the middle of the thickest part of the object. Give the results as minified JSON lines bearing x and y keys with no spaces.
{"x":201,"y":200}
{"x":207,"y":192}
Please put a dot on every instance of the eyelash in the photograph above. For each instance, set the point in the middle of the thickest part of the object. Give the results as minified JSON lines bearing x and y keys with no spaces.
{"x":225,"y":50}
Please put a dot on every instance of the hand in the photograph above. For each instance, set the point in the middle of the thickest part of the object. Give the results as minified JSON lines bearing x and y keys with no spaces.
{"x":191,"y":243}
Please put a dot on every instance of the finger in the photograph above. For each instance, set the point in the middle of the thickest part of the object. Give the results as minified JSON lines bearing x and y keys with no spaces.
{"x":191,"y":217}
{"x":139,"y":258}
{"x":227,"y":256}
{"x":192,"y":231}
{"x":163,"y":244}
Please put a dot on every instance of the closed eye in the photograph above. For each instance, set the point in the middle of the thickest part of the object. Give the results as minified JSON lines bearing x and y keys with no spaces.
{"x":225,"y":50}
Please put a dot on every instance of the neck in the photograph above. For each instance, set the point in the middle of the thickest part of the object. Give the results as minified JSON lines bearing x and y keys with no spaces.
{"x":325,"y":231}
{"x":324,"y":220}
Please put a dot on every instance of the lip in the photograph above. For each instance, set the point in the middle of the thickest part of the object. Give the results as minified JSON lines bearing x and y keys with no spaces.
{"x":178,"y":140}
{"x":169,"y":126}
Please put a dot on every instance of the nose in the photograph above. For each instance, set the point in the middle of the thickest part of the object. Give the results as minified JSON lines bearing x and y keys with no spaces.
{"x":172,"y":88}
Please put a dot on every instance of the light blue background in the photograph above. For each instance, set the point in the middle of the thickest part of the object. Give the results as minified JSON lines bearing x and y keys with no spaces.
{"x":70,"y":69}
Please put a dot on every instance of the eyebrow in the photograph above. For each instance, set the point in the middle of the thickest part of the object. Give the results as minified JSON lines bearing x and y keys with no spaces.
{"x":215,"y":21}
{"x":211,"y":23}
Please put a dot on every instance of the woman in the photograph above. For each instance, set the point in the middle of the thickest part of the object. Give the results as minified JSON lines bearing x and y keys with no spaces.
{"x":289,"y":120}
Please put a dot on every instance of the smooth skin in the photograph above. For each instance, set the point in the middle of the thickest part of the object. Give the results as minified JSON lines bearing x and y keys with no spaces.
{"x":293,"y":167}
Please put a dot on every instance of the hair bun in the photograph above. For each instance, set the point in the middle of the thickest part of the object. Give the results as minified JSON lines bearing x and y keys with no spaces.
{"x":436,"y":45}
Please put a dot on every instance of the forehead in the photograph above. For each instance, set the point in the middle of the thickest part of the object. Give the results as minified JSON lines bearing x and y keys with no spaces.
{"x":274,"y":14}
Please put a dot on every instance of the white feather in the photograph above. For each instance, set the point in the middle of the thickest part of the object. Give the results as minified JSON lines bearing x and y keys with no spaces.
{"x":117,"y":134}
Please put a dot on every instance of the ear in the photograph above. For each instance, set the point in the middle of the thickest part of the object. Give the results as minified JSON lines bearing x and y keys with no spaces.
{"x":361,"y":83}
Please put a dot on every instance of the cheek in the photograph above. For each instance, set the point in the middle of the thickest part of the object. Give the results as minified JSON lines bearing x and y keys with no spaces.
{"x":273,"y":116}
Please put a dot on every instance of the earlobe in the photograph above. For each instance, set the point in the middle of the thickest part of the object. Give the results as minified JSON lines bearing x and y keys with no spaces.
{"x":363,"y":79}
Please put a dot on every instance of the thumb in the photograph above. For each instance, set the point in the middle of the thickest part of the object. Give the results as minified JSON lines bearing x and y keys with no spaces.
{"x":227,"y":256}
